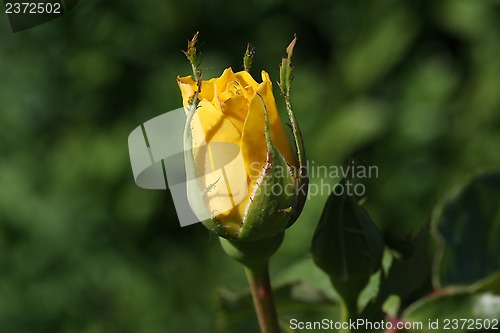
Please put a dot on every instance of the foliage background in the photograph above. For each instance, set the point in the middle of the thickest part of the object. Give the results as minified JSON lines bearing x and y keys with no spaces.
{"x":409,"y":86}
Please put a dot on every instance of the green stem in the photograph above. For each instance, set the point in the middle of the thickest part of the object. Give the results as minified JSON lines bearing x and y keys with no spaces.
{"x":255,"y":257}
{"x":347,"y":312}
{"x":349,"y":292}
{"x":262,"y":294}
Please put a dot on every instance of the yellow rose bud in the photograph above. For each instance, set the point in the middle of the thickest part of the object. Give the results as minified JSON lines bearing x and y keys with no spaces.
{"x":242,"y":156}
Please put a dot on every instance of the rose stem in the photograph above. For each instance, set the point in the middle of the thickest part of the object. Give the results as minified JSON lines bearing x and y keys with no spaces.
{"x":262,"y":294}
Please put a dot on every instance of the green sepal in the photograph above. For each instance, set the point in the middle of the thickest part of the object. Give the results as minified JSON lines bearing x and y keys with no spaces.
{"x":248,"y":57}
{"x":193,"y":56}
{"x":284,"y":84}
{"x":273,"y":202}
{"x":286,"y":69}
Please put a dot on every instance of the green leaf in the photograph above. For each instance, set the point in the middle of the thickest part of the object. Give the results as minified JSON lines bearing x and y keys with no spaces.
{"x":454,"y":304}
{"x":490,"y":283}
{"x":391,"y":305}
{"x":468,"y":223}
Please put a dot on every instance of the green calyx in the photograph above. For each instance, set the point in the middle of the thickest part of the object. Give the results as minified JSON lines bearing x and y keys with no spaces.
{"x":252,"y":254}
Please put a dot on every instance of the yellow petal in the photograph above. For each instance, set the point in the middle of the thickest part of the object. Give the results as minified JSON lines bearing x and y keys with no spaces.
{"x":224,"y":181}
{"x":209,"y":125}
{"x":188,"y":87}
{"x":220,"y":165}
{"x":245,"y":79}
{"x":216,"y":127}
{"x":221,"y":82}
{"x":253,"y":142}
{"x":233,"y":104}
{"x":278,"y":135}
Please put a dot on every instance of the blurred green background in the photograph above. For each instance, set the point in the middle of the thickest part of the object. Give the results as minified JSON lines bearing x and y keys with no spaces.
{"x":412,"y":87}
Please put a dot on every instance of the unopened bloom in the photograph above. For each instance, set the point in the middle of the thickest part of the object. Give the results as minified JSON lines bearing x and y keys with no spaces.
{"x":246,"y":169}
